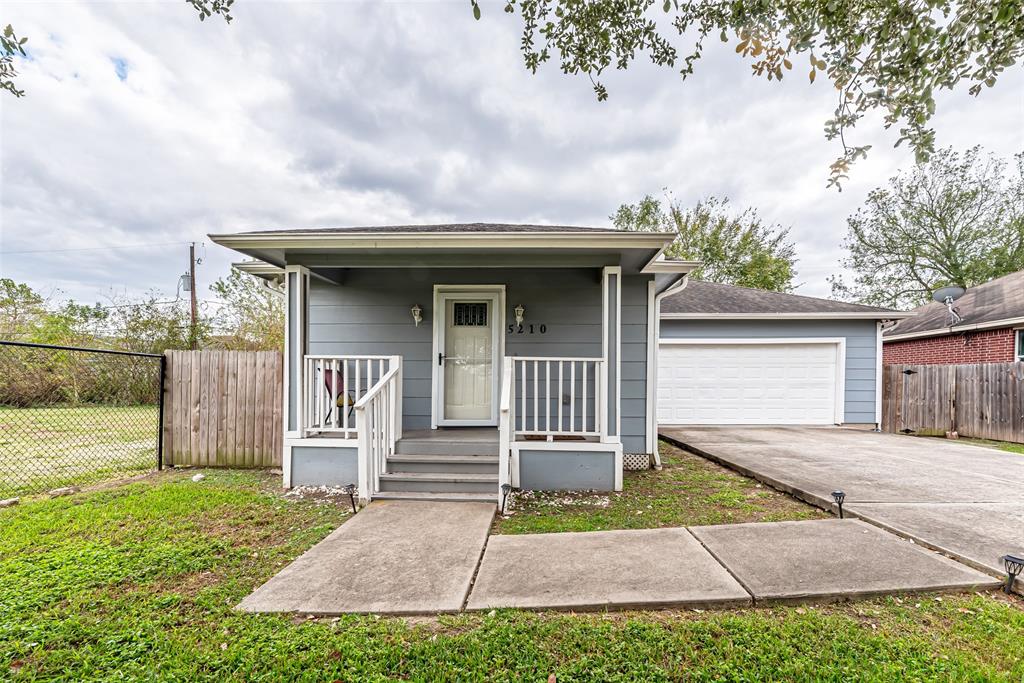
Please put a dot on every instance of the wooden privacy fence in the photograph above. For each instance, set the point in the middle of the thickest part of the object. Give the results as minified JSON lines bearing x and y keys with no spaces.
{"x":983,"y":400}
{"x":223,"y":408}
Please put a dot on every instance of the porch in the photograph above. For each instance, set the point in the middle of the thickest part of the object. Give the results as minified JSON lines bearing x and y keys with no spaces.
{"x":541,"y":334}
{"x":552,"y":431}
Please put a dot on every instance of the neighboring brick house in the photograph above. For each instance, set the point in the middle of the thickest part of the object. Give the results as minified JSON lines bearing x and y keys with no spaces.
{"x":991,"y":329}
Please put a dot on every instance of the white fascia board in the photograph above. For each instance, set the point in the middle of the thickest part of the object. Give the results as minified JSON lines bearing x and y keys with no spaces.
{"x":498,"y":240}
{"x":846,"y":315}
{"x":663,"y":266}
{"x":956,"y":329}
{"x":258,"y":268}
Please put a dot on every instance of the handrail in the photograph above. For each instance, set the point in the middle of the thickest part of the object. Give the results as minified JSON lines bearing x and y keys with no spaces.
{"x":378,"y":427}
{"x":505,"y":433}
{"x":331,"y":356}
{"x":505,"y":403}
{"x":555,"y":358}
{"x":375,"y":389}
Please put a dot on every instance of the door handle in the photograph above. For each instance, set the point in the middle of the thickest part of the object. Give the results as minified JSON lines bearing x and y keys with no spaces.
{"x":440,"y":359}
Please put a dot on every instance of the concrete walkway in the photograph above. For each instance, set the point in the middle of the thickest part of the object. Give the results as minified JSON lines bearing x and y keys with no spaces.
{"x":645,"y":568}
{"x":394,"y":557}
{"x":966,"y":501}
{"x":403,"y":557}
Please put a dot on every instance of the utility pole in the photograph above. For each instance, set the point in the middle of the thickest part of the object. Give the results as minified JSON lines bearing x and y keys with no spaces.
{"x":192,"y":292}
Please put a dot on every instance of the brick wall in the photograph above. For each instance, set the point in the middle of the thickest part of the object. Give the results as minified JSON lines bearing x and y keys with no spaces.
{"x":986,"y":346}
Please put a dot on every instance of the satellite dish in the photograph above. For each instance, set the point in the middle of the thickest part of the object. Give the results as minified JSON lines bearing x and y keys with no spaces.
{"x":945,"y":295}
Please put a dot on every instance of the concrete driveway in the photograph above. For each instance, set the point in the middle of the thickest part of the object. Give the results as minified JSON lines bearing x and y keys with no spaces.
{"x":964,"y":500}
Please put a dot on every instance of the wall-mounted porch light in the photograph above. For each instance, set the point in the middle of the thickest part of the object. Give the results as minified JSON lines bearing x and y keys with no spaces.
{"x":520,"y":312}
{"x":417,"y":314}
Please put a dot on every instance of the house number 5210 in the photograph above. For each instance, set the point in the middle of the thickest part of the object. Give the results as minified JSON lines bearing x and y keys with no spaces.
{"x":527,"y":329}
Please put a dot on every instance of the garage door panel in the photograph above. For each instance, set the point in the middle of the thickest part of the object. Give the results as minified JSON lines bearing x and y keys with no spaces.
{"x":781,"y":383}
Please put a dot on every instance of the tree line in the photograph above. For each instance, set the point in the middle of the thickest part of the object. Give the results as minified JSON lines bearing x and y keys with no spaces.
{"x":245,"y":316}
{"x":956,"y":219}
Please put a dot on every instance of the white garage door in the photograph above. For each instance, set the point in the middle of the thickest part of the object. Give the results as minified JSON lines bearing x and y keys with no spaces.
{"x":747,"y":383}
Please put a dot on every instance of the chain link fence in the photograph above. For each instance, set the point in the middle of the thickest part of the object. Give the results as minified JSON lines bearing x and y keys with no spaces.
{"x":72,"y":416}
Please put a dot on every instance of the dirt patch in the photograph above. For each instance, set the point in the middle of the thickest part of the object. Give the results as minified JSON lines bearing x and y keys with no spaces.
{"x":321,"y":495}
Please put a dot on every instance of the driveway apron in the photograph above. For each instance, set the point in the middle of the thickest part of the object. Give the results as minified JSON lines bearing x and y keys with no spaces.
{"x":961,"y":499}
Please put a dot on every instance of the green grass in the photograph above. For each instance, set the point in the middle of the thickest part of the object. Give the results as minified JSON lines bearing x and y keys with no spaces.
{"x":1007,"y":446}
{"x":688,"y":491}
{"x":44,"y":448}
{"x":138,"y":582}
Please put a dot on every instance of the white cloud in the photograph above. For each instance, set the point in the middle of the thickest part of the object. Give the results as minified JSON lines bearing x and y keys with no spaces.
{"x":302,"y":114}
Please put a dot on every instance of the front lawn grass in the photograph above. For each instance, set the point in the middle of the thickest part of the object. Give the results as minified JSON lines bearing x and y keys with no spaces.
{"x":688,"y":491}
{"x":138,"y":582}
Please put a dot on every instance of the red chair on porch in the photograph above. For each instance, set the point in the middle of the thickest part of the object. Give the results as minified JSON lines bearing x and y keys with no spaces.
{"x":335,"y":383}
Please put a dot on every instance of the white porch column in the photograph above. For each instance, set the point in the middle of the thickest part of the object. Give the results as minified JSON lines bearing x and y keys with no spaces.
{"x":296,"y":327}
{"x":611,"y":345}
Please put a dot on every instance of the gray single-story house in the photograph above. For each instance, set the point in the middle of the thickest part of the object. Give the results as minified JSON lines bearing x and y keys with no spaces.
{"x":455,"y":361}
{"x":733,"y":355}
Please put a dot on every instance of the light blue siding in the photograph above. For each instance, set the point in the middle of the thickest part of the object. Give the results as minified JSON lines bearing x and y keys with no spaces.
{"x":369,"y":314}
{"x":634,"y":363}
{"x":860,"y":349}
{"x":324,"y":466}
{"x":567,"y":470}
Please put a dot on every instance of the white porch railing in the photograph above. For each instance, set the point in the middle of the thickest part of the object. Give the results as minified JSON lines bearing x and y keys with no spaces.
{"x":558,"y":397}
{"x":378,"y":426}
{"x":505,"y":431}
{"x":331,"y":387}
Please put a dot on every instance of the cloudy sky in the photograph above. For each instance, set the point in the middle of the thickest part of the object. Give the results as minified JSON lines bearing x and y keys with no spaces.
{"x":143,"y":129}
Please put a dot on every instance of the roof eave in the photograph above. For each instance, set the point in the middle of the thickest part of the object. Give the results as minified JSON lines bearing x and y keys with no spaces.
{"x":815,"y":315}
{"x":257,"y":268}
{"x":455,"y":240}
{"x":956,"y":329}
{"x":665,"y":266}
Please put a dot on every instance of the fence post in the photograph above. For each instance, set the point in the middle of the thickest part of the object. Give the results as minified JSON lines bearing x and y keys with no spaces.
{"x":954,"y":372}
{"x":160,"y":428}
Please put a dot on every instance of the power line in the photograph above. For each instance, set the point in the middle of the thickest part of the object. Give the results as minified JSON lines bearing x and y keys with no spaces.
{"x":123,"y":246}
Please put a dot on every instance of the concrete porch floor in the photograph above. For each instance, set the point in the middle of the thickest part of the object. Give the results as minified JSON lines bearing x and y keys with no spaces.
{"x":402,"y":557}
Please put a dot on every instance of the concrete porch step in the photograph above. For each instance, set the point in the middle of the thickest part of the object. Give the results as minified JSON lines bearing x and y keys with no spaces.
{"x":448,"y":497}
{"x":438,"y":445}
{"x":440,"y":482}
{"x":439,"y":464}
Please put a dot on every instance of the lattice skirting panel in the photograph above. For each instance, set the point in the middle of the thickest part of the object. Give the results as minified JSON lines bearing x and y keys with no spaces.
{"x":636,"y":461}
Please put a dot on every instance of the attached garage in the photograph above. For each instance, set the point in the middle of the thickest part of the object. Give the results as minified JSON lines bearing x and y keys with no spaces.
{"x":750,"y":381}
{"x":731,"y":355}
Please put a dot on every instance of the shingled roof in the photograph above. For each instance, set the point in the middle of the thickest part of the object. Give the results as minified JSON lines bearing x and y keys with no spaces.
{"x":996,"y":300}
{"x":712,"y":298}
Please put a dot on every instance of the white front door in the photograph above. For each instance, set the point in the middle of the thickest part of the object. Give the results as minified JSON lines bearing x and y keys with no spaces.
{"x":467,"y":358}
